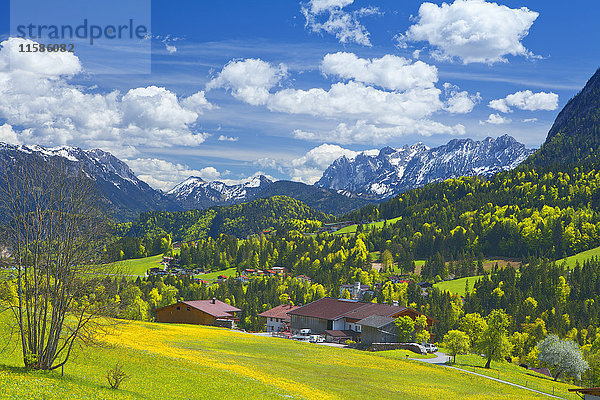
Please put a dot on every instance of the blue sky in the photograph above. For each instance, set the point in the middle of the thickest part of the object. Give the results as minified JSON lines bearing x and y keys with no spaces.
{"x":284,"y":87}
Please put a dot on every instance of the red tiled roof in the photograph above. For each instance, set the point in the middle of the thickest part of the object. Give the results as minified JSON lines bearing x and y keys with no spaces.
{"x":279,"y":312}
{"x":369,"y":309}
{"x":327,"y":308}
{"x":333,"y":309}
{"x":218,"y":309}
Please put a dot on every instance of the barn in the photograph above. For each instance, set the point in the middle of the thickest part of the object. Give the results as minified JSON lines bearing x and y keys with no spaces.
{"x":199,"y":312}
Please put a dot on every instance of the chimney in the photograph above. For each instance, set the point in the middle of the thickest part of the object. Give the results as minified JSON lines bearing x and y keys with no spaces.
{"x":213,"y":300}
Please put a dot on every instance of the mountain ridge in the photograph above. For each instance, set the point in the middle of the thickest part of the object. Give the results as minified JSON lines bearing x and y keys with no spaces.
{"x":395,"y":170}
{"x":123,"y":194}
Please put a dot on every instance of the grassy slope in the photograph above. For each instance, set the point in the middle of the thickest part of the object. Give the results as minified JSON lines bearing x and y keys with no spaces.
{"x":514,"y":374}
{"x":137,"y":266}
{"x":179,"y":361}
{"x":457,"y":286}
{"x":213,"y":275}
{"x":378,"y":225}
{"x":586,"y":255}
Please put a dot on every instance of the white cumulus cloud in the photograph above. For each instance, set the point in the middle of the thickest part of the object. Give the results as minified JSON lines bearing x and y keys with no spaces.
{"x":50,"y":65}
{"x":364,"y":132}
{"x":475,"y":31}
{"x":329,"y":16}
{"x":389,"y":71}
{"x":495,"y":119}
{"x":249,"y":80}
{"x":354,"y":99}
{"x":459,"y":102}
{"x":36,"y":94}
{"x":374,"y":103}
{"x":526,"y":100}
{"x":224,"y":138}
{"x":8,"y":135}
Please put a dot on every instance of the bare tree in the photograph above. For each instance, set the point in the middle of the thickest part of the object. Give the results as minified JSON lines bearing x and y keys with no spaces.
{"x":54,"y":229}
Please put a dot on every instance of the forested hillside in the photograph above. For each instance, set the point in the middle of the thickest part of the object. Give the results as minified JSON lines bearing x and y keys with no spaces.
{"x":575,"y":136}
{"x":238,"y":220}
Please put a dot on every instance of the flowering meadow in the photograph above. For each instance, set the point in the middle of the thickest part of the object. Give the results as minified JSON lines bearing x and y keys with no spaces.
{"x":195,"y":362}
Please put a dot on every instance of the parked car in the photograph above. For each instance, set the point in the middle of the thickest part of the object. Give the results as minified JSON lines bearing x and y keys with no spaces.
{"x":305,"y":332}
{"x":430,"y":347}
{"x":316,"y":339}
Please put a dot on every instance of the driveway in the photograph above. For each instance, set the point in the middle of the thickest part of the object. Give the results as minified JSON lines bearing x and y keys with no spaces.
{"x":441,"y":358}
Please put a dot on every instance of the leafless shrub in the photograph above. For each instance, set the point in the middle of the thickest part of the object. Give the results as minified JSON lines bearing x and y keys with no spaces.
{"x":116,"y":376}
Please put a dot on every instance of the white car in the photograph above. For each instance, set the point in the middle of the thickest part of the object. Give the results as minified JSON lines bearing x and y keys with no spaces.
{"x":430,"y":347}
{"x":316,"y":339}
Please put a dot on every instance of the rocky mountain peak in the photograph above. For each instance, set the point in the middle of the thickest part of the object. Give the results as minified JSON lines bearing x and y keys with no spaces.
{"x":395,"y":170}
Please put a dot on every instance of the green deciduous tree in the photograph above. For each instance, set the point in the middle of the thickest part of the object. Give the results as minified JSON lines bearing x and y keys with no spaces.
{"x":422,"y":335}
{"x":493,"y":341}
{"x":473,"y":325}
{"x":457,"y":342}
{"x":387,"y":260}
{"x":406,"y":328}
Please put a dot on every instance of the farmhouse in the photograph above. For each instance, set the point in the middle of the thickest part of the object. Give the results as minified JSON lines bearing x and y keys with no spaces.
{"x":277,"y":318}
{"x":335,"y":318}
{"x":200,"y":312}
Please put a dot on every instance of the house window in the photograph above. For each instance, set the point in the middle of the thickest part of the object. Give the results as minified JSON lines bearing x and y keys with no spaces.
{"x":188,"y":308}
{"x":178,"y":308}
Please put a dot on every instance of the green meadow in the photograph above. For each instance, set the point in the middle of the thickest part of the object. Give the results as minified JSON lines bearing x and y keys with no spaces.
{"x":136,"y":266}
{"x":457,"y":286}
{"x":196,"y":362}
{"x":352,"y":228}
{"x":580,"y":257}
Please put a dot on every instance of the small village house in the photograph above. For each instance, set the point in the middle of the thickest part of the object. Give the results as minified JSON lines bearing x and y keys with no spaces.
{"x":277,"y":318}
{"x":211,"y":312}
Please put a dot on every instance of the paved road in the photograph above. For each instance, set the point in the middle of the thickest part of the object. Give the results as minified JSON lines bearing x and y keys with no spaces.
{"x":442,"y":358}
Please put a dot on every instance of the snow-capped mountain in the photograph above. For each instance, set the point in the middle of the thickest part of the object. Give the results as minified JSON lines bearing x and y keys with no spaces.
{"x":392,"y":171}
{"x":194,"y":192}
{"x":124,"y":194}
